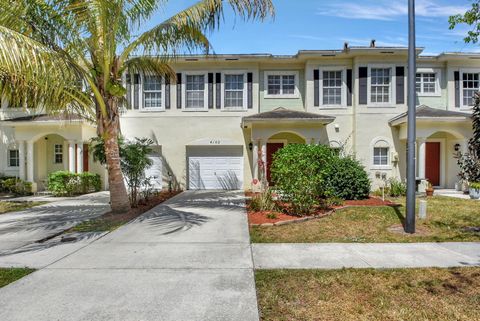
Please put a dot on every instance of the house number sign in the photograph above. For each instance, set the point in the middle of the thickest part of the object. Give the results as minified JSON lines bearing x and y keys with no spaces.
{"x":215,"y":142}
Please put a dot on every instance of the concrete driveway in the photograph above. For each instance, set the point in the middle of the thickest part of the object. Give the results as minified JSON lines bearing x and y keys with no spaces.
{"x":187,"y":259}
{"x":19,"y":230}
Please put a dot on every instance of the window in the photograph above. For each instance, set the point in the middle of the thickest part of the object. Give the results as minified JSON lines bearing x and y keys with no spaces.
{"x":234,"y":85}
{"x":380,"y":85}
{"x":471,"y":85}
{"x":13,"y":158}
{"x":281,"y":85}
{"x":152,"y":92}
{"x":380,"y":156}
{"x":426,"y":83}
{"x":58,"y":154}
{"x":195,"y":92}
{"x":332,"y":88}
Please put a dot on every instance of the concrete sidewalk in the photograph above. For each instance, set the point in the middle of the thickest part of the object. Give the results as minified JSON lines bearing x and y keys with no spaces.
{"x":187,"y":259}
{"x":369,"y":255}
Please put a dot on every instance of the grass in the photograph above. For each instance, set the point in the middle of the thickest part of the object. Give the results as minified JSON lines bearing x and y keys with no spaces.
{"x":6,"y":207}
{"x":8,"y":276}
{"x":374,"y":295}
{"x":446,"y":220}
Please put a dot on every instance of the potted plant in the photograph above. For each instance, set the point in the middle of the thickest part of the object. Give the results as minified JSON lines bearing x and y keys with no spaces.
{"x":429,"y":190}
{"x":474,"y":190}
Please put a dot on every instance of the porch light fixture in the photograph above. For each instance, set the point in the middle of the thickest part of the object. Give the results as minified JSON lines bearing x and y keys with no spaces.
{"x":250,"y":146}
{"x":456,"y":147}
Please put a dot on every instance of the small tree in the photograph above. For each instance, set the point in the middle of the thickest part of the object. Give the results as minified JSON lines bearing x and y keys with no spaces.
{"x":134,"y":161}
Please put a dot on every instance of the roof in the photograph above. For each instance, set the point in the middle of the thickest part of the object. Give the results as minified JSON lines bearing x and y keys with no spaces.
{"x":427,"y":112}
{"x":285,"y":114}
{"x":46,"y":118}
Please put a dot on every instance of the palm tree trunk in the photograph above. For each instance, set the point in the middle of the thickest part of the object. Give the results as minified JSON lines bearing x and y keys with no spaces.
{"x":119,"y":200}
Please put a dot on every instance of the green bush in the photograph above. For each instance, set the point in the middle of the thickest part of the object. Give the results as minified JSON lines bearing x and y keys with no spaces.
{"x":347,"y":179}
{"x":397,"y":188}
{"x":298,"y":171}
{"x":263,"y":202}
{"x":16,"y":186}
{"x":64,"y":183}
{"x":474,"y":185}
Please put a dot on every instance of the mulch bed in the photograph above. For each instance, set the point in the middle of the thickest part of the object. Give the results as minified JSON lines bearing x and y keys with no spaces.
{"x":281,"y":218}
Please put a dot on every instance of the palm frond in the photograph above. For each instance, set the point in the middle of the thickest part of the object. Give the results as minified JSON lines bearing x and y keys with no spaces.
{"x":150,"y":65}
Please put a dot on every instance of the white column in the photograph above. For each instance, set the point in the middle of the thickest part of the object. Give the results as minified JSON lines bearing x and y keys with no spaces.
{"x":79,"y":157}
{"x":30,"y":161}
{"x":264,"y":157}
{"x":71,"y":156}
{"x":255,"y":159}
{"x":21,"y":156}
{"x":421,"y":157}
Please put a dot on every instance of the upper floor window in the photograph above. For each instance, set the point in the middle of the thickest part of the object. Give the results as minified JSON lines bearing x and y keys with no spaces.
{"x":152,"y":92}
{"x":13,"y":158}
{"x":427,"y":82}
{"x":234,"y":91}
{"x":195,"y":92}
{"x":380,"y":85}
{"x":332,"y":83}
{"x":58,"y":153}
{"x":281,"y":84}
{"x":470,"y":85}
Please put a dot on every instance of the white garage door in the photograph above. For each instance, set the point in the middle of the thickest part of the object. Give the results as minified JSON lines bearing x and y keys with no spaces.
{"x":215,"y":167}
{"x":154,"y":172}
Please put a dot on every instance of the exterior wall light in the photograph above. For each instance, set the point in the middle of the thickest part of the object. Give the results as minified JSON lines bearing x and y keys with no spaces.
{"x":250,"y":146}
{"x":457,"y":147}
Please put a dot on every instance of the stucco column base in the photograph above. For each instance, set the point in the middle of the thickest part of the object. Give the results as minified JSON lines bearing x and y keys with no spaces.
{"x":34,"y":187}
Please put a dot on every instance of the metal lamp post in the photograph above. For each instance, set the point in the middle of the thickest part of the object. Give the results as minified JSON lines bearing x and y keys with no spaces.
{"x":411,"y":129}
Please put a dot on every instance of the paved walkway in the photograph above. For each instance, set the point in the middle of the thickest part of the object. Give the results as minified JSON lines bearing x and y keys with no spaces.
{"x":20,"y":230}
{"x":452,"y":193}
{"x":370,"y":255}
{"x":187,"y":259}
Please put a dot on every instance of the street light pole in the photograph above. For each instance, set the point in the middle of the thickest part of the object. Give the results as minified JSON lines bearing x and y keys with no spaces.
{"x":411,"y":124}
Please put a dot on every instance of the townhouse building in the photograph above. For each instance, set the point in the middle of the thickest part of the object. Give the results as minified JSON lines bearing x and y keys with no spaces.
{"x":225,"y":112}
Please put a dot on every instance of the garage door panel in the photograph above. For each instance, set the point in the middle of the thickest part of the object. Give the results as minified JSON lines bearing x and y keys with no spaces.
{"x":224,"y":170}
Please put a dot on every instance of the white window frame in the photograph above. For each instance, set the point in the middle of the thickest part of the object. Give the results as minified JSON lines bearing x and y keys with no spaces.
{"x":386,"y":144}
{"x":9,"y":158}
{"x":294,"y":73}
{"x":245,"y":89}
{"x":466,"y":71}
{"x":55,"y":153}
{"x":438,"y":76}
{"x":392,"y":91}
{"x":184,"y":90}
{"x":343,"y":69}
{"x":142,"y":96}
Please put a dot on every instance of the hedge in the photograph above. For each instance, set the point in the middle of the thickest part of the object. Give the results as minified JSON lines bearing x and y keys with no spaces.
{"x":64,"y":183}
{"x":15,"y":186}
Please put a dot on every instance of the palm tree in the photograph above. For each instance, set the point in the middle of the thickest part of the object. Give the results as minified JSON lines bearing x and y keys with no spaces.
{"x":70,"y":55}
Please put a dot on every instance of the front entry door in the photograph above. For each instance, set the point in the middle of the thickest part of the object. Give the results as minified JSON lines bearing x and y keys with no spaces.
{"x":432,"y":163}
{"x":272,"y":148}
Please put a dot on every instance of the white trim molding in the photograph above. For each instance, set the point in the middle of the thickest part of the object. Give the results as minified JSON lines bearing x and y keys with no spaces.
{"x":466,"y":71}
{"x":438,"y":81}
{"x":245,"y":90}
{"x":388,"y":144}
{"x":184,"y":90}
{"x":392,"y":90}
{"x":343,"y":70}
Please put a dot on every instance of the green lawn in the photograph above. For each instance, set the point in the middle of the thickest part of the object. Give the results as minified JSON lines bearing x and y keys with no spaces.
{"x":10,"y":275}
{"x":446,"y":221}
{"x":6,"y":206}
{"x":373,"y":295}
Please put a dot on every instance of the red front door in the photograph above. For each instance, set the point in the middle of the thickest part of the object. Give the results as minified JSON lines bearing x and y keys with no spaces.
{"x":271,"y":149}
{"x":432,"y":163}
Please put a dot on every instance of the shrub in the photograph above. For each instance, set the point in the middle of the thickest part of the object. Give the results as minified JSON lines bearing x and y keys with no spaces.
{"x":474,"y":185}
{"x":298,"y":171}
{"x":347,"y":179}
{"x":63,"y":183}
{"x":16,"y":186}
{"x":263,"y":202}
{"x":397,"y":188}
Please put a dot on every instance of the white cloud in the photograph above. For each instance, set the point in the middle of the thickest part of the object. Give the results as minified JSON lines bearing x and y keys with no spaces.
{"x":388,"y":9}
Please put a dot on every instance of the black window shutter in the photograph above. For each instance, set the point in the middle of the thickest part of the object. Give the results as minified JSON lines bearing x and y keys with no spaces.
{"x":316,"y":87}
{"x":249,"y":90}
{"x":349,"y":87}
{"x":128,"y":80}
{"x":400,"y":85}
{"x":210,"y":90}
{"x":456,"y":76}
{"x":179,"y":91}
{"x":167,"y":92}
{"x":218,"y":90}
{"x":363,"y":85}
{"x":136,"y":90}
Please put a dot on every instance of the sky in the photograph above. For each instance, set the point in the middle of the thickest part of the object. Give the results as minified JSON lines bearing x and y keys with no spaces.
{"x":327,"y":24}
